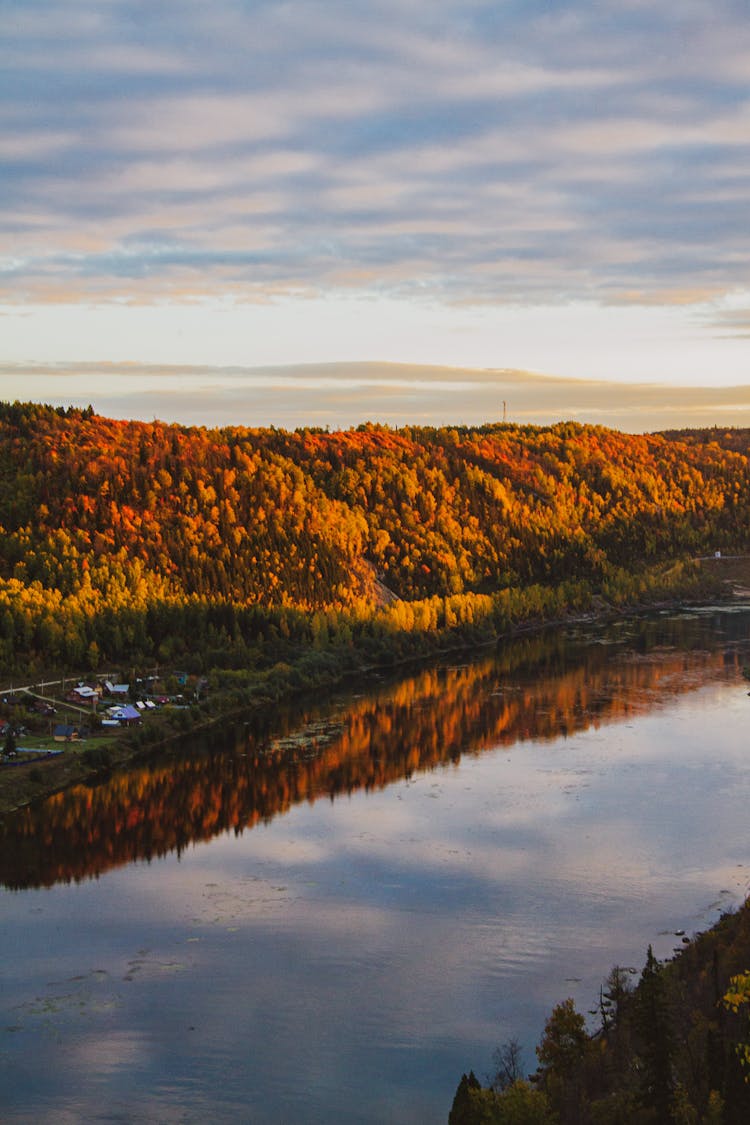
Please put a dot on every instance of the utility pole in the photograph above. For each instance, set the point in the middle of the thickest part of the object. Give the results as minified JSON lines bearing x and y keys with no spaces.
{"x":504,"y":404}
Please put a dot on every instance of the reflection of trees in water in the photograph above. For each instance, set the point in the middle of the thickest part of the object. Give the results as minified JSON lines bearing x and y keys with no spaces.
{"x":537,"y":688}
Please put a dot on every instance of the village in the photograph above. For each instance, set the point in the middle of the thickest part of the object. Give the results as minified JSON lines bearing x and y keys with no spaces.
{"x":40,"y":720}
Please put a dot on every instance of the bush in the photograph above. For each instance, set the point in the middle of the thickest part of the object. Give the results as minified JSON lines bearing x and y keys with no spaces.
{"x":98,"y":757}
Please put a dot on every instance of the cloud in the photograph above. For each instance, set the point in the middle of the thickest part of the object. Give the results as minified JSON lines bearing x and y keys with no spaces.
{"x":345,"y":394}
{"x":467,"y":151}
{"x":734,"y":323}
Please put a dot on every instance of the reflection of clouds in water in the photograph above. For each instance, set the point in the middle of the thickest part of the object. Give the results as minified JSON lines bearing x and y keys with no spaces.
{"x":370,"y":889}
{"x":388,"y":939}
{"x":564,"y":812}
{"x":433,"y":930}
{"x":117,"y":1051}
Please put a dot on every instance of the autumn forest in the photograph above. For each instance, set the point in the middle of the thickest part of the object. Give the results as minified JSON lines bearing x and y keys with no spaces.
{"x":264,"y":562}
{"x":132,"y":540}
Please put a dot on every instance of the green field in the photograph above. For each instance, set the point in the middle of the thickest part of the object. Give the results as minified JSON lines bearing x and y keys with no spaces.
{"x":30,"y":742}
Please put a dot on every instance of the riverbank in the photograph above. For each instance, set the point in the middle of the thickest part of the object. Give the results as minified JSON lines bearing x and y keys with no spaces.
{"x":242,"y":691}
{"x":673,"y":1047}
{"x":546,"y":808}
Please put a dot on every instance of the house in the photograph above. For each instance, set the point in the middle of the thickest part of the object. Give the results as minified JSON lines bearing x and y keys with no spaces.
{"x":125,"y":714}
{"x":82,"y":693}
{"x":119,"y":691}
{"x":65,"y":732}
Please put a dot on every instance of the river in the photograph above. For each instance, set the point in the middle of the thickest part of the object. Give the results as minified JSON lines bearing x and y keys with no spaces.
{"x":330,"y":916}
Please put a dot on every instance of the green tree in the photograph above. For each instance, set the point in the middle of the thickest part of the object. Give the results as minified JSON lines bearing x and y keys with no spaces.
{"x":653,"y":1023}
{"x":612,"y":995}
{"x":462,"y":1110}
{"x":9,"y":745}
{"x":561,"y":1054}
{"x":564,"y":1041}
{"x":521,"y":1104}
{"x":518,"y":1104}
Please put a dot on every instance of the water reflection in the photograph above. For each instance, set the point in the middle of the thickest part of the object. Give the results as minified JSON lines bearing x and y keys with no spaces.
{"x":538,"y":688}
{"x":347,"y":960}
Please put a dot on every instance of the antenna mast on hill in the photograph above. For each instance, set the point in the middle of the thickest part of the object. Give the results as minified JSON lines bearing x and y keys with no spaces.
{"x":503,"y":410}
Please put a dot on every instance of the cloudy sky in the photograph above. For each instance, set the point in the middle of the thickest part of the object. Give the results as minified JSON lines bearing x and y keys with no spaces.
{"x":560,"y":188}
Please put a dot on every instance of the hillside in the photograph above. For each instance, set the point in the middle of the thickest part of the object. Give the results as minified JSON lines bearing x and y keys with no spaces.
{"x":123,"y":539}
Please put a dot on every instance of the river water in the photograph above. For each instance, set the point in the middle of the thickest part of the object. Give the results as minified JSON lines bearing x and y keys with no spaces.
{"x":330,"y":918}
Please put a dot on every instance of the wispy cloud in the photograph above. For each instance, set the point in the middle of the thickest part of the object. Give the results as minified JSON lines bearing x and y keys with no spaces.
{"x":345,"y":394}
{"x":475,"y":152}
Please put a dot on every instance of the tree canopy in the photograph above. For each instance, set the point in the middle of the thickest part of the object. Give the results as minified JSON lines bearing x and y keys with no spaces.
{"x":120,"y":537}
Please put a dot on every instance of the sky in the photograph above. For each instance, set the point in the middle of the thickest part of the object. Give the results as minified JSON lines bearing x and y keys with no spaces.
{"x":554,"y":188}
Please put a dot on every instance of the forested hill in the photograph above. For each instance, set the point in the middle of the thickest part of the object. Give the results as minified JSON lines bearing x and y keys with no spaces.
{"x":103,"y":522}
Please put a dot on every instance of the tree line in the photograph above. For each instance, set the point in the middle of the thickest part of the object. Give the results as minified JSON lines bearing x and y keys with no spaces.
{"x":122,"y":539}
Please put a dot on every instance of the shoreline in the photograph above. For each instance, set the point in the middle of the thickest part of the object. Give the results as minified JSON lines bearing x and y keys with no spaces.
{"x":25,"y":783}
